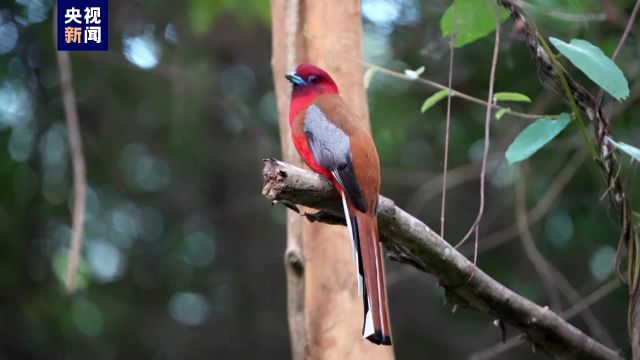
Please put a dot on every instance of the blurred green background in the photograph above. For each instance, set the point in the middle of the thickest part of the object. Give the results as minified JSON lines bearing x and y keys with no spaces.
{"x":183,"y":256}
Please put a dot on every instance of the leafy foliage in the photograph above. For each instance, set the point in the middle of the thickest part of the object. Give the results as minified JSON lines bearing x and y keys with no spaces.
{"x":433,"y":99}
{"x":630,"y":150}
{"x":596,"y":65}
{"x":535,"y":136}
{"x":470,"y":20}
{"x":510,"y":96}
{"x":502,"y":112}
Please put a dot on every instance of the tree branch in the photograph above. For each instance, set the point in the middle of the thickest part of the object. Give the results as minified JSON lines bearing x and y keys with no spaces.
{"x":78,"y":164}
{"x":410,"y":241}
{"x":574,"y":310}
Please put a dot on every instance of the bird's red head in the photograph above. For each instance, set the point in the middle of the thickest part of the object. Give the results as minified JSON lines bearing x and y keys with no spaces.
{"x":309,"y":81}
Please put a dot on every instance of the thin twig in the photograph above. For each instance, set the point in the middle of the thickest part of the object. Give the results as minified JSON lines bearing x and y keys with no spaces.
{"x":431,"y":188}
{"x":539,"y":263}
{"x":623,"y":38}
{"x":596,"y":327}
{"x":557,"y":278}
{"x":553,"y":280}
{"x":543,"y":206}
{"x":627,"y":29}
{"x":568,"y":314}
{"x":78,"y":164}
{"x":591,"y":299}
{"x":446,"y":144}
{"x":428,"y":188}
{"x":453,"y":92}
{"x":497,"y":349}
{"x":487,"y":134}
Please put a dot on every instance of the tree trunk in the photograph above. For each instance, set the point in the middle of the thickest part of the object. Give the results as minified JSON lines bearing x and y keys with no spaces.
{"x":324,"y":308}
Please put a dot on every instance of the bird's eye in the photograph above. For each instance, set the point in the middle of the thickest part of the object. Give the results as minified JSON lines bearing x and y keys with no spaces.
{"x":314,"y":79}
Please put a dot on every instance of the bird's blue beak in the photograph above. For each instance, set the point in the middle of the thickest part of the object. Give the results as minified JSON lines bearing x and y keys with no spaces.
{"x":294,"y":78}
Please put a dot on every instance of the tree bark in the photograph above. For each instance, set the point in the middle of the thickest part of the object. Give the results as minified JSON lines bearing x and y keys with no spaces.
{"x":324,"y":308}
{"x":284,"y":16}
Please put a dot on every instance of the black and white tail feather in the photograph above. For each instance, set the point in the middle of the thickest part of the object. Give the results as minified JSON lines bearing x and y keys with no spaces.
{"x":368,"y":329}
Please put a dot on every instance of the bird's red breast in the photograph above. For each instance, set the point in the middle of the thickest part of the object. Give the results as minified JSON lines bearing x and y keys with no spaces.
{"x":317,"y":83}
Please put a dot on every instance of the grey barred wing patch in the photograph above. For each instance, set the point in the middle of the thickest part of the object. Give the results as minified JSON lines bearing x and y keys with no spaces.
{"x":330,"y":148}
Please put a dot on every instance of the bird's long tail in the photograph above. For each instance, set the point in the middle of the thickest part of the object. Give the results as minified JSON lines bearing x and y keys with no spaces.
{"x":367,"y":254}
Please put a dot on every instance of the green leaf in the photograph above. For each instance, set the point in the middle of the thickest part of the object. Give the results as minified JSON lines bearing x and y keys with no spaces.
{"x":630,"y":150}
{"x":535,"y":136}
{"x":510,"y":96}
{"x":368,"y":76}
{"x":414,"y":74}
{"x":500,"y":113}
{"x":433,"y":99}
{"x":470,"y":20}
{"x":596,"y":65}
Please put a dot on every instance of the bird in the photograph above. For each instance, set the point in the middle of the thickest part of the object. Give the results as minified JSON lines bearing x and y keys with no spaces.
{"x":332,"y":142}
